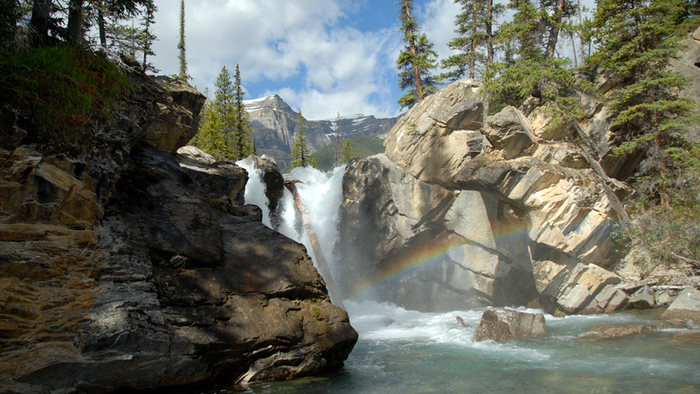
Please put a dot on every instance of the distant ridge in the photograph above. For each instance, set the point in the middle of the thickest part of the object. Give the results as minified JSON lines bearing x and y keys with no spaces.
{"x":274,"y":126}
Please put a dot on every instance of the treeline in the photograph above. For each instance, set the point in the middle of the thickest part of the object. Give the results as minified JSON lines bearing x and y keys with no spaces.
{"x":224,"y":131}
{"x":631,"y":43}
{"x":117,"y":26}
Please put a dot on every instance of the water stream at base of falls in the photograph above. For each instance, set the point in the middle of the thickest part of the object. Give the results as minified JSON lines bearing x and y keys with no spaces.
{"x":403,"y":351}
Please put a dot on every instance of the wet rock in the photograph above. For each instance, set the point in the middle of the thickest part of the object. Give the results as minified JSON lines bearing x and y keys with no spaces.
{"x":642,"y":298}
{"x":618,"y":331}
{"x":502,"y":325}
{"x":688,"y":336}
{"x":274,"y":184}
{"x":685,"y":306}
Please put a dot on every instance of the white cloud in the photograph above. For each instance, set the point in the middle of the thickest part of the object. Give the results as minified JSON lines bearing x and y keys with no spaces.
{"x":299,"y":43}
{"x":303,"y":50}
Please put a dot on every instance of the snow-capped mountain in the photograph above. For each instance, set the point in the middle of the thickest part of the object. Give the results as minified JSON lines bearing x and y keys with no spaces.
{"x":274,"y":126}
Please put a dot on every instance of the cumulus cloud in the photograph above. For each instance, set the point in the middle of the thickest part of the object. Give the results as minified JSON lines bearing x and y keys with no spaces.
{"x":307,"y":51}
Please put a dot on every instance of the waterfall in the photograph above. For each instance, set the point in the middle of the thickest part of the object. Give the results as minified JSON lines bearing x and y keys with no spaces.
{"x":321,"y":195}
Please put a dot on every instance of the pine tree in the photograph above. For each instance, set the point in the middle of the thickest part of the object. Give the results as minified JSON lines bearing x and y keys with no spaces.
{"x":636,"y":41}
{"x":336,"y":143}
{"x":416,"y":60}
{"x":147,"y":36}
{"x":210,"y":137}
{"x":9,"y":16}
{"x":347,"y":152}
{"x":475,"y":28}
{"x":216,"y":134}
{"x":181,"y":45}
{"x":243,"y":143}
{"x":527,"y":69}
{"x":300,"y":152}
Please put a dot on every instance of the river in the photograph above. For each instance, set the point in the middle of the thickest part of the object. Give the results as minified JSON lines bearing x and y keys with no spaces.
{"x":403,"y":351}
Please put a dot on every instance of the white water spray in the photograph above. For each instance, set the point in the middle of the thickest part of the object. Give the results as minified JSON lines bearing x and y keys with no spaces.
{"x":321,"y":195}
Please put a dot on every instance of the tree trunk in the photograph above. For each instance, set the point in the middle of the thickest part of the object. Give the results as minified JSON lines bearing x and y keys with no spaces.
{"x":554,"y":33}
{"x":472,"y":65}
{"x":489,"y":33}
{"x":101,"y":25}
{"x":40,"y":21}
{"x":412,"y":44}
{"x":75,"y":22}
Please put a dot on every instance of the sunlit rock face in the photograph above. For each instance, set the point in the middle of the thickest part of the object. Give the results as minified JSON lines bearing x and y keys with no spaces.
{"x":124,"y":269}
{"x":469,"y":210}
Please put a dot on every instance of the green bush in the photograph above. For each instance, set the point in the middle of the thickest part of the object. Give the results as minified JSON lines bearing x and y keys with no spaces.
{"x":65,"y":90}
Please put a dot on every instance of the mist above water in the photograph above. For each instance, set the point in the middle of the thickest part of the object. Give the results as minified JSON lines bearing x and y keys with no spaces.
{"x":401,"y":350}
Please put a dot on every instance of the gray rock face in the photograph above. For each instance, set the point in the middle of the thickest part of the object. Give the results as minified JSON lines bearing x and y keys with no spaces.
{"x":463,"y":202}
{"x":274,"y":184}
{"x":509,"y":132}
{"x":275,"y":125}
{"x":502,"y":325}
{"x":216,"y":178}
{"x":127,"y":273}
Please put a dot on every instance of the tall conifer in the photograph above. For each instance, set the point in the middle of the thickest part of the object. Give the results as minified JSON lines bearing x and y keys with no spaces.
{"x":300,"y":152}
{"x":181,"y":44}
{"x":243,"y":142}
{"x":527,"y":70}
{"x":416,"y":61}
{"x":474,"y":26}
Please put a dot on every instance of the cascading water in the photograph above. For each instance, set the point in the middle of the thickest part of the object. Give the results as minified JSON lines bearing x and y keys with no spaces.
{"x":409,"y":351}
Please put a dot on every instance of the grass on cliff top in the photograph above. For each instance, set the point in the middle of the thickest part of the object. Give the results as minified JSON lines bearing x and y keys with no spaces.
{"x":66,"y":91}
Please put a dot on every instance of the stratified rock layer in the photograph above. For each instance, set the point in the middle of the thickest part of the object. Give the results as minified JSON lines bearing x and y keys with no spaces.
{"x":127,"y":270}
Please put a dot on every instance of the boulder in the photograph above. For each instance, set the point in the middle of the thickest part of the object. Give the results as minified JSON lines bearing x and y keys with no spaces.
{"x":502,"y":325}
{"x":618,"y":331}
{"x":685,"y":306}
{"x":155,"y":198}
{"x":509,"y":132}
{"x":585,"y":288}
{"x":218,"y":178}
{"x":642,"y":298}
{"x":437,"y":136}
{"x":177,"y":117}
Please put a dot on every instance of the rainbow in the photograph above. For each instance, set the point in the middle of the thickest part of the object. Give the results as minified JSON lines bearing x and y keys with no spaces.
{"x":432,"y":253}
{"x":405,"y":263}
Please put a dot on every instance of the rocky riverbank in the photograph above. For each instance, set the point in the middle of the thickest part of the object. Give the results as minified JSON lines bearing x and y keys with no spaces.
{"x":122,"y":269}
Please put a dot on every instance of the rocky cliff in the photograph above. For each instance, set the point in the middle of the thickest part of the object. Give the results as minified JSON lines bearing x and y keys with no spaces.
{"x":466,"y":210}
{"x":124,"y":269}
{"x":275,"y":125}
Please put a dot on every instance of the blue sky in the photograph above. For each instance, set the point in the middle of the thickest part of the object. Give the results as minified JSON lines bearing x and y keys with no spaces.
{"x":320,"y":56}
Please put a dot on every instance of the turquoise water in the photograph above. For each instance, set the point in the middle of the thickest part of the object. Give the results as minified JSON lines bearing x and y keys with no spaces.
{"x":403,"y":351}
